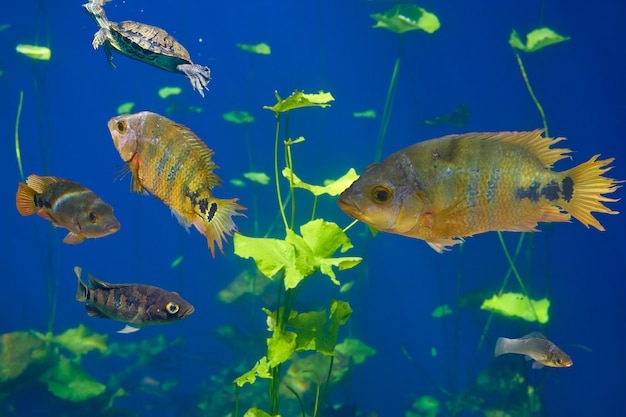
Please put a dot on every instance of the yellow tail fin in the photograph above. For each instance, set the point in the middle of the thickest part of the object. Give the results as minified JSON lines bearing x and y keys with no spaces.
{"x":583,"y":189}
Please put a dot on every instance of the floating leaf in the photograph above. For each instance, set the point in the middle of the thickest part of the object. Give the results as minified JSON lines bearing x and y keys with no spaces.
{"x":70,"y":382}
{"x":355,"y":349}
{"x":298,"y":99}
{"x":81,"y":340}
{"x":260,"y":177}
{"x":441,"y":311}
{"x":165,"y":92}
{"x":125,"y":108}
{"x":260,"y":370}
{"x":536,"y":40}
{"x":367,"y":114}
{"x":260,"y":48}
{"x":346,"y":287}
{"x":177,"y":262}
{"x":239,"y":117}
{"x":331,"y":187}
{"x":237,"y":182}
{"x":33,"y":51}
{"x":517,"y":305}
{"x":406,"y":17}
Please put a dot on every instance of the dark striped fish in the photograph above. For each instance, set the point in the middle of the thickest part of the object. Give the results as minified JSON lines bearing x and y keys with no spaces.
{"x":66,"y":204}
{"x":136,"y":304}
{"x":173,"y":164}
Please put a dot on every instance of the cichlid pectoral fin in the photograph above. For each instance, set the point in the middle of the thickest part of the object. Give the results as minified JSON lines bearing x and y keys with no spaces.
{"x":537,"y":365}
{"x":441,"y":245}
{"x":181,"y":220}
{"x":94,"y":312}
{"x":128,"y":329}
{"x":73,"y":239}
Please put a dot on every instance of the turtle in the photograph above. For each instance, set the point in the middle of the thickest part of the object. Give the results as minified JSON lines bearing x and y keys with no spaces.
{"x":146,"y":43}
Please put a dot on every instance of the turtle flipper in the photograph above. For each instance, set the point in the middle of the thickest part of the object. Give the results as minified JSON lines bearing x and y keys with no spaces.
{"x":199,"y":76}
{"x":107,"y":51}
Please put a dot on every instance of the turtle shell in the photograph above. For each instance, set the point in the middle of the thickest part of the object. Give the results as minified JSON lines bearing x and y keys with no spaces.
{"x":148,"y":44}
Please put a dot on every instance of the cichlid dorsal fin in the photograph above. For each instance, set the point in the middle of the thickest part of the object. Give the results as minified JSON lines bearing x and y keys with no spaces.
{"x":534,"y":335}
{"x":533,"y":142}
{"x":199,"y":147}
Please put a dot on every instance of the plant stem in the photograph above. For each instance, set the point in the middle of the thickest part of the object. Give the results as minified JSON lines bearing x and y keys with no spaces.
{"x":18,"y":153}
{"x":280,"y":199}
{"x":391,"y":94}
{"x":532,"y":94}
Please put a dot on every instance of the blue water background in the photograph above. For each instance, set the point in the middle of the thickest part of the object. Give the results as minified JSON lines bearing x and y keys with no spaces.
{"x":330,"y":46}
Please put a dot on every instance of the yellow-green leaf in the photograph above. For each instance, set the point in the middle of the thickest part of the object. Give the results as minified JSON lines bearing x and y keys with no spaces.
{"x":81,"y":340}
{"x":237,"y":182}
{"x":280,"y":347}
{"x":299,"y":99}
{"x":125,"y":108}
{"x":355,"y":350}
{"x":517,"y":305}
{"x":41,"y":53}
{"x":441,"y":311}
{"x":331,"y":187}
{"x":536,"y":40}
{"x":165,"y":92}
{"x":260,"y":48}
{"x":260,"y":177}
{"x":255,"y":412}
{"x":406,"y":17}
{"x":239,"y":117}
{"x":260,"y":370}
{"x":70,"y":382}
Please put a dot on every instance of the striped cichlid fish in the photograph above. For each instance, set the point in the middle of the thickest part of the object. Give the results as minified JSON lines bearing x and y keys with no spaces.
{"x":442,"y":190}
{"x":66,"y":204}
{"x":136,"y":304}
{"x":173,"y":164}
{"x":535,"y":346}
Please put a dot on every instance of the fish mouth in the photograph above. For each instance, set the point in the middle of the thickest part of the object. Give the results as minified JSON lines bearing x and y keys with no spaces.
{"x":188,"y":312}
{"x":112,"y":227}
{"x":349,"y":207}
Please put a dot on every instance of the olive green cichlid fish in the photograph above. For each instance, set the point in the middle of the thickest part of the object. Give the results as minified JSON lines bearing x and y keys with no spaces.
{"x":136,"y":304}
{"x":66,"y":204}
{"x":535,"y":346}
{"x":442,"y":190}
{"x":174,"y":165}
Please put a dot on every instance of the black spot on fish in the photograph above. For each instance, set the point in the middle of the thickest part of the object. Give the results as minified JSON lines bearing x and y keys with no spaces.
{"x":212,"y":211}
{"x":40,"y":202}
{"x":204,"y":205}
{"x":568,"y":188}
{"x":531,"y":193}
{"x":551,"y":191}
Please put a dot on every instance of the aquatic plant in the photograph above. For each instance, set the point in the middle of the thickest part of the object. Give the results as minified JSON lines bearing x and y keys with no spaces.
{"x":400,"y":19}
{"x":291,"y":261}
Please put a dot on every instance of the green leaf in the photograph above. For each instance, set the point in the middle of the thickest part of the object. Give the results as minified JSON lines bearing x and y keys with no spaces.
{"x":280,"y":347}
{"x":310,"y":328}
{"x":331,"y":187}
{"x":260,"y":48}
{"x":70,"y":382}
{"x":177,"y":262}
{"x":299,"y":99}
{"x":238,"y":117}
{"x":536,"y":40}
{"x":406,"y":17}
{"x":125,"y":108}
{"x":165,"y":92}
{"x":270,"y":255}
{"x":255,"y":412}
{"x":260,"y":177}
{"x":260,"y":370}
{"x":366,"y":114}
{"x":355,"y":350}
{"x":441,"y":311}
{"x":517,"y":305}
{"x":41,"y":53}
{"x":81,"y":340}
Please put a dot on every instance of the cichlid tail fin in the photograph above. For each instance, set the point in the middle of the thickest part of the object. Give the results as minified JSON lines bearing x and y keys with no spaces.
{"x":214,"y":220}
{"x":82,"y":292}
{"x":582,"y":191}
{"x":25,"y":200}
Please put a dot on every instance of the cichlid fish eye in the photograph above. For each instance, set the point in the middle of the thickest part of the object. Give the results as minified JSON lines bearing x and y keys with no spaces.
{"x":93,"y":217}
{"x":381,"y":194}
{"x":172,"y":308}
{"x":121,"y":126}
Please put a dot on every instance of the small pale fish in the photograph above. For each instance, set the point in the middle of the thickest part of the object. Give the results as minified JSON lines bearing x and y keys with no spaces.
{"x":66,"y":204}
{"x":535,"y":346}
{"x":137,"y":305}
{"x":174,"y":165}
{"x":445,"y":189}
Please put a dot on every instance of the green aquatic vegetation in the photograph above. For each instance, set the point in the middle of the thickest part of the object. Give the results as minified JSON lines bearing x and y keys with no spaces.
{"x":331,"y":187}
{"x":165,"y":92}
{"x":258,"y":177}
{"x":441,"y":311}
{"x":518,"y":306}
{"x":298,"y":256}
{"x":366,"y":114}
{"x":260,"y":48}
{"x":249,"y":281}
{"x":238,"y":116}
{"x":4,"y":26}
{"x":399,"y":19}
{"x":18,"y":351}
{"x":70,"y":382}
{"x":125,"y":108}
{"x":299,"y":99}
{"x":80,"y":340}
{"x":355,"y":350}
{"x":18,"y":152}
{"x":403,"y":18}
{"x":41,"y":53}
{"x":176,"y":262}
